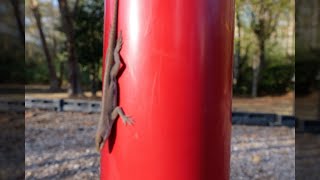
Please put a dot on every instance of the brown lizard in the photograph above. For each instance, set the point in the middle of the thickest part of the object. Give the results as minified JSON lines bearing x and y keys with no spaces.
{"x":109,"y":108}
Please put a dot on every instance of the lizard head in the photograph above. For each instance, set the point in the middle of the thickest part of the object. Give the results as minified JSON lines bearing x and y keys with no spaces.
{"x":101,"y":136}
{"x":99,"y":142}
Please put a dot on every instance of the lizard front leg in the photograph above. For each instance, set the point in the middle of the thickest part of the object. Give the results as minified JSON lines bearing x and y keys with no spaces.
{"x":125,"y":119}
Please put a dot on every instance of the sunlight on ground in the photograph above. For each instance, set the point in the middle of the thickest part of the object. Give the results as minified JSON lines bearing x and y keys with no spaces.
{"x":269,"y":104}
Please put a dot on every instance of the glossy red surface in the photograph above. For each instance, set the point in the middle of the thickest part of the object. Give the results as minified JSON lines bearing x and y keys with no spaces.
{"x":176,"y":85}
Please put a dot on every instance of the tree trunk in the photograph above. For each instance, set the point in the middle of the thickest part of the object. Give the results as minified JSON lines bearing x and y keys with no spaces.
{"x":94,"y":81}
{"x":74,"y":74}
{"x":54,"y":83}
{"x":259,"y":67}
{"x":61,"y":67}
{"x":255,"y":80}
{"x":262,"y":54}
{"x":17,"y":13}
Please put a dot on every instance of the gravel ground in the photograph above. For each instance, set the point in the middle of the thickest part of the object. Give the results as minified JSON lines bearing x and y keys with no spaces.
{"x":262,"y":153}
{"x":60,"y":146}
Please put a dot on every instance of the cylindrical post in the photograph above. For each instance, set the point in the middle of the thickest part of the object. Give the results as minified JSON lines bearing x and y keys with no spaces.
{"x":177,"y":86}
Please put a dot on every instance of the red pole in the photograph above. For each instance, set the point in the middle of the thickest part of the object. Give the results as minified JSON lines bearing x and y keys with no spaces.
{"x":177,"y":87}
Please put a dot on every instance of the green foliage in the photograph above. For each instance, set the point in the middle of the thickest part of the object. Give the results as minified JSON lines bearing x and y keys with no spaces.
{"x":276,"y":55}
{"x":243,"y":87}
{"x":264,"y":42}
{"x":36,"y":70}
{"x":258,"y":19}
{"x":36,"y":73}
{"x":88,"y":18}
{"x":89,"y":38}
{"x":276,"y":79}
{"x":89,"y":32}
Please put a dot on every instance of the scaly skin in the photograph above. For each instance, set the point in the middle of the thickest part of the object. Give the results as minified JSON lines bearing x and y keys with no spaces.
{"x":109,"y":108}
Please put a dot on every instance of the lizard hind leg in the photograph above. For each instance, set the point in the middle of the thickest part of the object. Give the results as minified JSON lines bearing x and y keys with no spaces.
{"x":125,"y":119}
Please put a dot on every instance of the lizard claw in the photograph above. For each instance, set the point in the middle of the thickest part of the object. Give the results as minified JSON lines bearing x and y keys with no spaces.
{"x":127,"y":120}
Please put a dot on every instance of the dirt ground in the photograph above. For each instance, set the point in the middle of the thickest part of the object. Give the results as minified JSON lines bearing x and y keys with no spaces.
{"x":283,"y":105}
{"x":60,"y":146}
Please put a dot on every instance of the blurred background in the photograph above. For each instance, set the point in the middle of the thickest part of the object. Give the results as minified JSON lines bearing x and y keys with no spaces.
{"x":264,"y":47}
{"x":64,"y":52}
{"x":63,"y":55}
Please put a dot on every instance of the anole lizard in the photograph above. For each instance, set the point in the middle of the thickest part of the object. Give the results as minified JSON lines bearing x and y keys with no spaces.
{"x":109,"y":108}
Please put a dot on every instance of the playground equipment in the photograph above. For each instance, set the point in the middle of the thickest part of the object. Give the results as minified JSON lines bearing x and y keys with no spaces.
{"x":176,"y":85}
